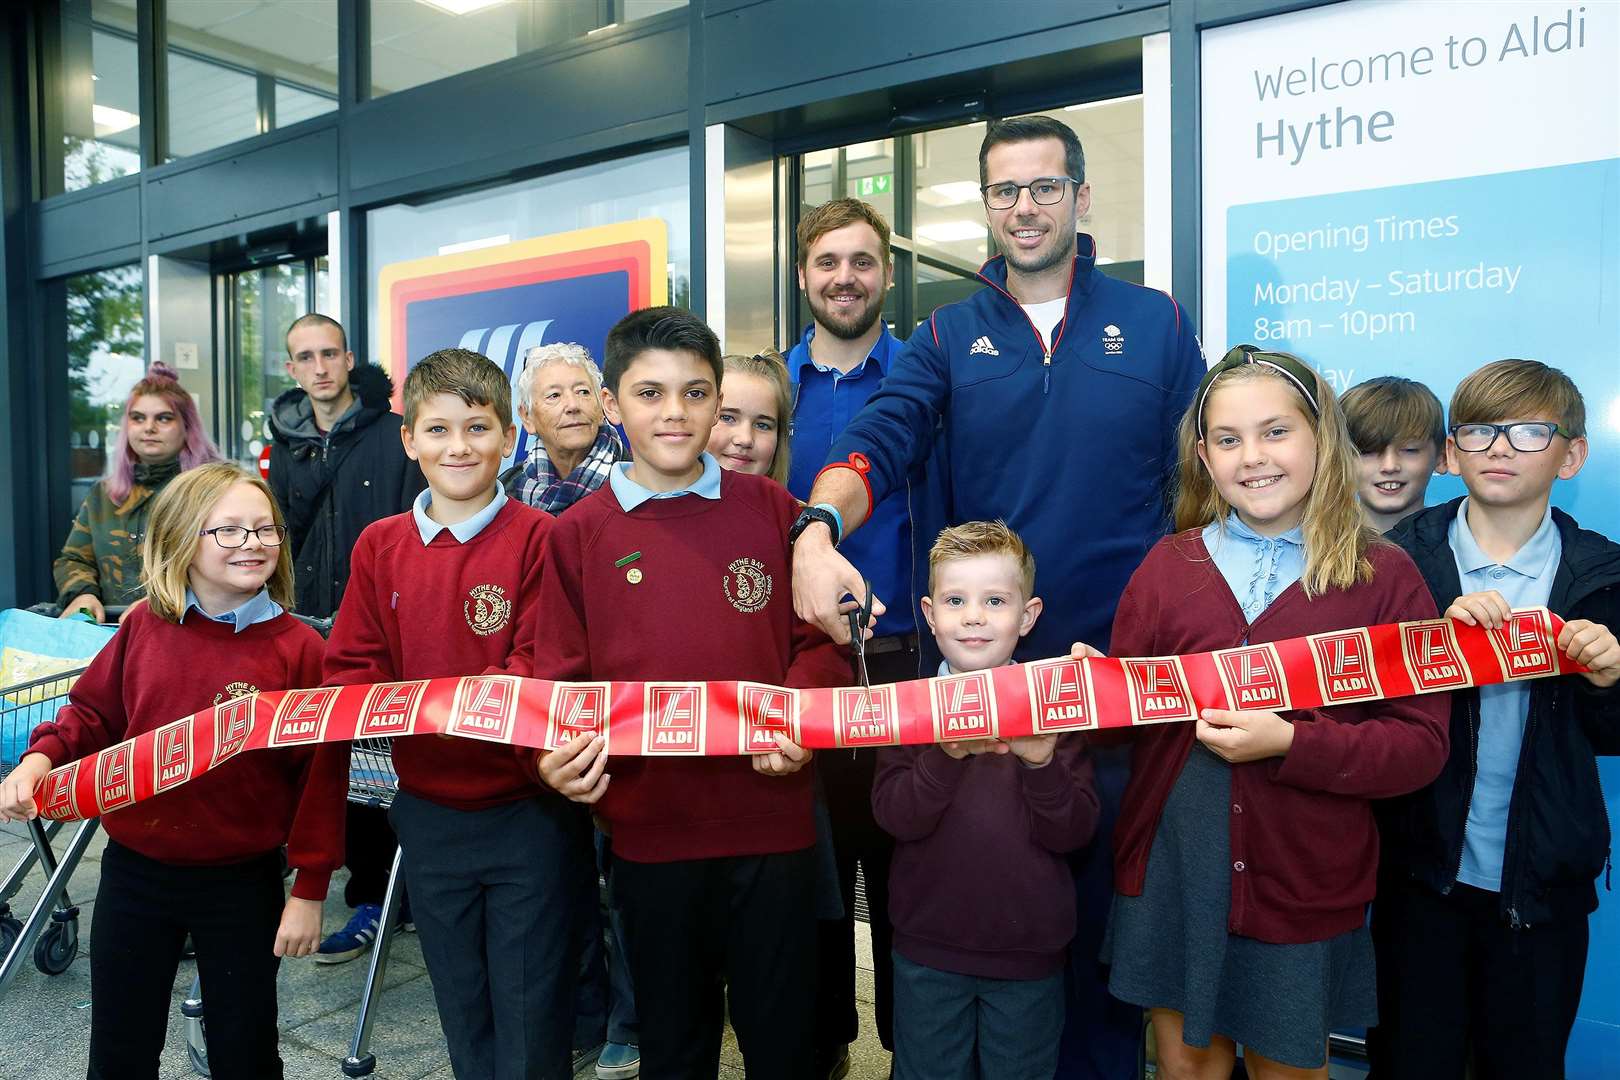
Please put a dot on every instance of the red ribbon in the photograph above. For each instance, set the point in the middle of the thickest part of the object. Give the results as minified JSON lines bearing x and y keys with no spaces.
{"x":688,"y":719}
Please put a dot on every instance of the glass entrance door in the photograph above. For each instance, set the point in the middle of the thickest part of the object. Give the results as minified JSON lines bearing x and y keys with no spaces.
{"x":260,"y":303}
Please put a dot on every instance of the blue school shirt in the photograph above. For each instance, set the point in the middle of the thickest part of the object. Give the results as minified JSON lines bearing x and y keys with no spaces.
{"x":257,"y":609}
{"x":1525,"y":580}
{"x":1256,"y":568}
{"x":631,"y":494}
{"x":463,"y":531}
{"x":825,"y":400}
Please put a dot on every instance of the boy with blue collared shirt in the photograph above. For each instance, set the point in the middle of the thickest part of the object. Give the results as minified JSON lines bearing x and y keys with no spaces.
{"x":845,"y":270}
{"x":676,"y":573}
{"x":492,"y":861}
{"x":1487,"y":875}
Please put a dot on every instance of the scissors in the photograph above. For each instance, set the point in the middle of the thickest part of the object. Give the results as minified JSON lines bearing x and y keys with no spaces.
{"x":859,"y":619}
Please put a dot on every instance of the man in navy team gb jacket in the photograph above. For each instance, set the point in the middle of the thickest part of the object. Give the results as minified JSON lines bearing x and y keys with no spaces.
{"x":1055,"y":392}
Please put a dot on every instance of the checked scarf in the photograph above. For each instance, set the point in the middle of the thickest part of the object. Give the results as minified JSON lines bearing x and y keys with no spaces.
{"x":541,"y":487}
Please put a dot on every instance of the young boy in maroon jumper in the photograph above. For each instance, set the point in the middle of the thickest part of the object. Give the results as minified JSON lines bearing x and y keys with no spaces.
{"x":980,"y":891}
{"x":490,"y":857}
{"x":676,"y":570}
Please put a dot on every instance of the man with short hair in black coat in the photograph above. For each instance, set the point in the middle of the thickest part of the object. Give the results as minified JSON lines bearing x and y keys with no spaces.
{"x":337,"y":464}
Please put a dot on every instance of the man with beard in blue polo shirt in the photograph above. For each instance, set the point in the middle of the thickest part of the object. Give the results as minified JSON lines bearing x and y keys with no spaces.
{"x":845,"y":272}
{"x":1054,"y":394}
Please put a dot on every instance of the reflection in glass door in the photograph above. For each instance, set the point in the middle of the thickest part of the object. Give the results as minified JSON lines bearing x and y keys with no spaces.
{"x":260,"y":304}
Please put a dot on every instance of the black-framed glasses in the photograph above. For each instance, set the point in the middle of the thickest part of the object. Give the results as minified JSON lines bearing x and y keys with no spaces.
{"x":235,"y":536}
{"x":1044,"y":190}
{"x":1527,"y":436}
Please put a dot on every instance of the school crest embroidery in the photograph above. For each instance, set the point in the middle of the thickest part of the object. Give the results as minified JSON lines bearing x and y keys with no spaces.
{"x":747,"y":585}
{"x":234,"y":690}
{"x":487,"y":609}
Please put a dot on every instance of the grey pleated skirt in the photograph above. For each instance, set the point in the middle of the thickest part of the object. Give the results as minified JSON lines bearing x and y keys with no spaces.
{"x":1170,"y":948}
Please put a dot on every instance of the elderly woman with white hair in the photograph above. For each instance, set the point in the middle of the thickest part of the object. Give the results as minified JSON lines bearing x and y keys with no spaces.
{"x":559,"y":400}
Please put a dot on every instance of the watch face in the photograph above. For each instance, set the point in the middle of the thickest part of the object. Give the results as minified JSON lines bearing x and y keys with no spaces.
{"x":809,"y":516}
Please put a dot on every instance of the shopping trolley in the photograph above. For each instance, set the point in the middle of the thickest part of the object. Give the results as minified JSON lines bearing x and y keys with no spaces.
{"x":51,"y":929}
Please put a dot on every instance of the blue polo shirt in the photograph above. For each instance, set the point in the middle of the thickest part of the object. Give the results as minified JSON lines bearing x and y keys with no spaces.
{"x":825,"y":400}
{"x":1525,"y":580}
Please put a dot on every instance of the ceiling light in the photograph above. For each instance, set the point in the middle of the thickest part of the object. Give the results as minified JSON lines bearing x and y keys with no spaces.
{"x":460,"y":7}
{"x":951,"y":232}
{"x":474,"y":245}
{"x":863,"y":151}
{"x":1100,"y":103}
{"x":599,"y":29}
{"x":110,"y":121}
{"x":952,"y":194}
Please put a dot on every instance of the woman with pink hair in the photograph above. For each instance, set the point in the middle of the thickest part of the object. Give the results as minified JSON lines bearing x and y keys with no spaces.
{"x":161,"y":436}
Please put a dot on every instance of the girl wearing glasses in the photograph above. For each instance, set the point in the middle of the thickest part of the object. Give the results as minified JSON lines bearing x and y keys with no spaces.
{"x":205,"y":857}
{"x":1245,"y":853}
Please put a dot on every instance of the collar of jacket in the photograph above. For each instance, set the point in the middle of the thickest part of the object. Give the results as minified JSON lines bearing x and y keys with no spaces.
{"x":1590,"y":561}
{"x":293,"y":418}
{"x":1081,"y":278}
{"x":153,"y":476}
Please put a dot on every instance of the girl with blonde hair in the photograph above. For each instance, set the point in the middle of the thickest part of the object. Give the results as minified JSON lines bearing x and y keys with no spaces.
{"x":1245,"y":853}
{"x":203,"y":857}
{"x":756,"y":403}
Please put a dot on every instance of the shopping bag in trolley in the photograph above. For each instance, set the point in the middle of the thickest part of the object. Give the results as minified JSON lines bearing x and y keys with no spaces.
{"x":32,"y":649}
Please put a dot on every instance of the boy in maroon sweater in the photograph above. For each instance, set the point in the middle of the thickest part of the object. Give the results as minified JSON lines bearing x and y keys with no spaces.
{"x":980,"y":892}
{"x":490,"y":857}
{"x":677,"y":571}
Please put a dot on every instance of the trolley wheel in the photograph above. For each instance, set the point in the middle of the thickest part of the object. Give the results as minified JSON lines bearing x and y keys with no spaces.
{"x":55,"y":949}
{"x":198,"y":1056}
{"x":10,"y":930}
{"x":196,"y":1029}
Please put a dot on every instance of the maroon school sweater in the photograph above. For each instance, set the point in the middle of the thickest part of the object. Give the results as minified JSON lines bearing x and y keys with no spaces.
{"x":979,"y":884}
{"x":1304,"y":847}
{"x":686,"y":618}
{"x":153,"y":672}
{"x":415,"y":611}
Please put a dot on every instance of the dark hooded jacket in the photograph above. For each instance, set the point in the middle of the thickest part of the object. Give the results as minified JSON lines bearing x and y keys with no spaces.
{"x":1558,"y":822}
{"x":332,"y":485}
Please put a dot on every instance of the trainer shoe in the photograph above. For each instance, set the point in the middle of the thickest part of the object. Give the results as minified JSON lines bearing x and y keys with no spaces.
{"x":355,"y":939}
{"x":618,"y":1062}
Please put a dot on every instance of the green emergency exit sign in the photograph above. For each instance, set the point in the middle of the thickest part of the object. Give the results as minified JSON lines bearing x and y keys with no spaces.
{"x":874,"y":185}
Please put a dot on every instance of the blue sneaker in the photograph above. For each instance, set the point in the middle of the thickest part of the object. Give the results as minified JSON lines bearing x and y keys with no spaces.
{"x":355,"y":939}
{"x":618,"y":1061}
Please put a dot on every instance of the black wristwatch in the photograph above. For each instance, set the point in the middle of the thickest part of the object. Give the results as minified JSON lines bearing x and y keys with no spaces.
{"x":808,"y":517}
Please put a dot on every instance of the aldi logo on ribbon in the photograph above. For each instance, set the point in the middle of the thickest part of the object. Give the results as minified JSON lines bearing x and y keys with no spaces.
{"x":1524,"y":647}
{"x":1253,"y":677}
{"x":763,"y":712}
{"x":865,"y":716}
{"x":1158,"y":690}
{"x":390,"y":709}
{"x":233,"y":722}
{"x":485,"y":707}
{"x":1344,"y":666}
{"x":61,"y":802}
{"x":1060,"y":696}
{"x":1432,"y":656}
{"x":114,"y":786}
{"x":301,"y":717}
{"x":577,"y":709}
{"x":672,"y":721}
{"x":171,"y":755}
{"x":964,"y":707}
